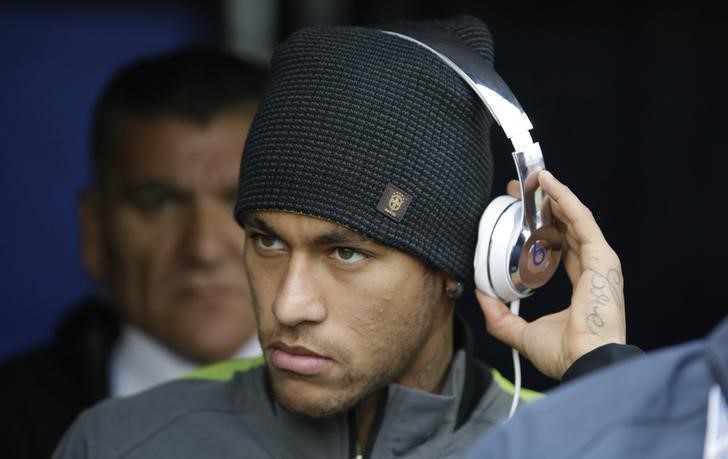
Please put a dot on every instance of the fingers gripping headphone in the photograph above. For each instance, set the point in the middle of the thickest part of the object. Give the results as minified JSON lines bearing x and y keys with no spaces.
{"x":518,"y":248}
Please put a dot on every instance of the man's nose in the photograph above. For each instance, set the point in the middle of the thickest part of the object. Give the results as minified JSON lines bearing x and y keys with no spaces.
{"x":298,"y":299}
{"x":206,"y":238}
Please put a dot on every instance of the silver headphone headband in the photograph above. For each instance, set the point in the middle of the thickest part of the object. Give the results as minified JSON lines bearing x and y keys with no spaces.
{"x":502,"y":104}
{"x":480,"y":76}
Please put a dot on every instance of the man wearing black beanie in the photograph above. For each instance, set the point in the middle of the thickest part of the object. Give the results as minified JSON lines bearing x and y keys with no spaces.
{"x":365,"y":174}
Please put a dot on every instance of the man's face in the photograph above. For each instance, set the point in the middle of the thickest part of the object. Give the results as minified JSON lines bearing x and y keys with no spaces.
{"x":162,"y":237}
{"x":339,"y":316}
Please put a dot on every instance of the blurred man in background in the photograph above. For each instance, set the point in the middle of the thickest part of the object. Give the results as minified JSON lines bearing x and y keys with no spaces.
{"x":159,"y":237}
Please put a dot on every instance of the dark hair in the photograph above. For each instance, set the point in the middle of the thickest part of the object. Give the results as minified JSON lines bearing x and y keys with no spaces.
{"x":193,"y":83}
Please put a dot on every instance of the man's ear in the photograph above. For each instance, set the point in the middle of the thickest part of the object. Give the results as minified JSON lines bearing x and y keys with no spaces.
{"x":454,"y":289}
{"x":89,"y":214}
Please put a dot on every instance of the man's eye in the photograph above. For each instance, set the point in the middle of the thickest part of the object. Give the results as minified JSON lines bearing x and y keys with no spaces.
{"x":268,"y":242}
{"x":348,"y":255}
{"x":151,"y":202}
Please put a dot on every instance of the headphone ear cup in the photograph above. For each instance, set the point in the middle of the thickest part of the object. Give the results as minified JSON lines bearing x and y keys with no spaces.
{"x":498,"y":234}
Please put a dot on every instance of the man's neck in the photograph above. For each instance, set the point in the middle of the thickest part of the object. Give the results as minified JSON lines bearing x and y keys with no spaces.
{"x":426,"y":374}
{"x":366,"y":411}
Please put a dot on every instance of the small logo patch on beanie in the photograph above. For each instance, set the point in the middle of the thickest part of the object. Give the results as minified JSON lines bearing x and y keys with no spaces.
{"x":394,"y":202}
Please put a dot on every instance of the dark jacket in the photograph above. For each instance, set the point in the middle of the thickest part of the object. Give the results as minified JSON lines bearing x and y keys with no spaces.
{"x":43,"y":390}
{"x":654,"y":406}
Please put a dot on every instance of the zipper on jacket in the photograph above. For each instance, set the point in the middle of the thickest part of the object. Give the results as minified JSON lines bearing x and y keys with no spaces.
{"x":355,"y":448}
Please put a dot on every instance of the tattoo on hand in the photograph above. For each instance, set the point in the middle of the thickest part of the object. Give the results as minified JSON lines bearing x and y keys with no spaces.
{"x":605,"y":289}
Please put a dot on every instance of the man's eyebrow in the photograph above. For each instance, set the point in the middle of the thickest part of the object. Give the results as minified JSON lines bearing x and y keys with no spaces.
{"x":252,"y":222}
{"x":151,"y":185}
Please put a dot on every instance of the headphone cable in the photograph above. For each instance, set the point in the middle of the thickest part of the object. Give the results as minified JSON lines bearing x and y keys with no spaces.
{"x":515,"y":305}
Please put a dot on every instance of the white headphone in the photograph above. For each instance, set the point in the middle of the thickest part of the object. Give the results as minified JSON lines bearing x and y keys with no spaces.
{"x":518,"y":247}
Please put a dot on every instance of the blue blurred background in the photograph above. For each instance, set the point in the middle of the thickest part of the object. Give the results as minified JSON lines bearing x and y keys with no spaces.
{"x":628,"y":103}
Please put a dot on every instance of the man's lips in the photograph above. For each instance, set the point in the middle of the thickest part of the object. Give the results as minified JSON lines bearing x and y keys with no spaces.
{"x":297,"y":359}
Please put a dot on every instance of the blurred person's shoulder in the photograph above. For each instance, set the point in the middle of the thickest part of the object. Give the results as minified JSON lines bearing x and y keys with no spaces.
{"x":83,"y":338}
{"x":44,"y":387}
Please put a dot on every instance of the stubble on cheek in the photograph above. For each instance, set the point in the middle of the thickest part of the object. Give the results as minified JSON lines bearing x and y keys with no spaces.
{"x":391,"y":334}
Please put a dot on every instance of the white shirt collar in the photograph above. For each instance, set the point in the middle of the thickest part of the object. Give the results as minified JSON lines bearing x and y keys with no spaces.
{"x":140,"y":362}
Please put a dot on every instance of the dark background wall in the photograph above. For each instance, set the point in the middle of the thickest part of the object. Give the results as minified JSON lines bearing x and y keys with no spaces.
{"x":627,"y":102}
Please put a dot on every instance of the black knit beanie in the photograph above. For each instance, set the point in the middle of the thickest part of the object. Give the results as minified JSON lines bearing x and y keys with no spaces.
{"x":375,"y":133}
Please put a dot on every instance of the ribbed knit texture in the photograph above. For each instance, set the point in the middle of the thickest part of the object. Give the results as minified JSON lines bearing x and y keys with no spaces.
{"x":349,"y":110}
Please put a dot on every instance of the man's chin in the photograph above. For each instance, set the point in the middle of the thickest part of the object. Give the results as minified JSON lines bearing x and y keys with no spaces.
{"x":313,"y":409}
{"x":321,"y":403}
